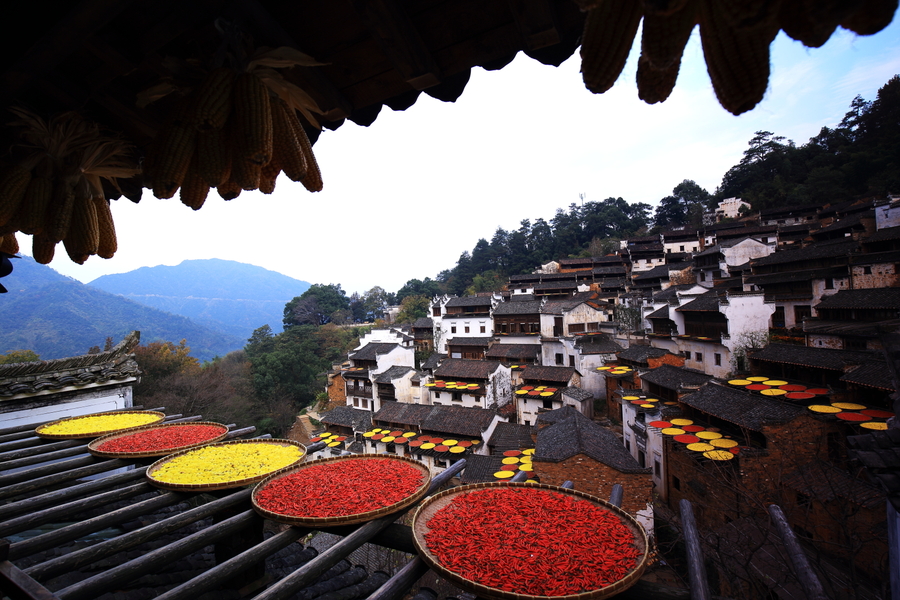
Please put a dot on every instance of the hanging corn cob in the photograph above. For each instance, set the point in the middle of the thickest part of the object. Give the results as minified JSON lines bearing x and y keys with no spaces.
{"x":237,"y":130}
{"x":735,"y":35}
{"x":55,"y":191}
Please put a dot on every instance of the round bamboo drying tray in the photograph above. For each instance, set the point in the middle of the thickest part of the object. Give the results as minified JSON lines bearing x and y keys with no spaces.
{"x":93,"y":447}
{"x":343,"y":519}
{"x":427,"y":510}
{"x":92,"y":434}
{"x":207,"y":487}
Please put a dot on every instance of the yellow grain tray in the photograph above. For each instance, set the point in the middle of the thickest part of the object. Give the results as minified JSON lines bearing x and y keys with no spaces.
{"x":97,"y":424}
{"x":224,"y":465}
{"x":432,"y":505}
{"x":348,"y":519}
{"x":94,"y":446}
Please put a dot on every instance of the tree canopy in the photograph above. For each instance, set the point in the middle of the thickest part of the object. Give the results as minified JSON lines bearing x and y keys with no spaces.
{"x":318,"y":305}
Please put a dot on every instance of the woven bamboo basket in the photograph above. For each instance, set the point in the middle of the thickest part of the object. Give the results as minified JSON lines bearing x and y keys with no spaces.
{"x":208,"y":487}
{"x":427,"y":510}
{"x":92,"y":434}
{"x":350,"y":519}
{"x":94,"y":446}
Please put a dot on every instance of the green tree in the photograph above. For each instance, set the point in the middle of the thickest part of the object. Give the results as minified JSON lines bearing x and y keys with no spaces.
{"x":161,"y":360}
{"x":416,"y":287}
{"x":18,"y":356}
{"x":316,"y":305}
{"x":412,"y":308}
{"x":684,"y":207}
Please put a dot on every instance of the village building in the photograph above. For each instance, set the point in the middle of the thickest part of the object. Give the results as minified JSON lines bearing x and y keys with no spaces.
{"x":471,"y":425}
{"x":365,"y":364}
{"x":657,"y":279}
{"x":731,"y":208}
{"x":719,"y":262}
{"x":469,"y":383}
{"x":466,"y":316}
{"x":542,"y":390}
{"x":785,"y":454}
{"x":423,"y":334}
{"x":41,"y":391}
{"x":790,"y":215}
{"x":571,"y":447}
{"x":853,"y":319}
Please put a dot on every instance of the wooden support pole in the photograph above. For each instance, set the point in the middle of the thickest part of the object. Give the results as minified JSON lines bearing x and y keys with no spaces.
{"x":61,"y":512}
{"x":57,"y":467}
{"x":812,"y":587}
{"x":27,"y":487}
{"x":215,"y":577}
{"x":43,"y":458}
{"x":60,"y":536}
{"x":313,"y":569}
{"x":93,"y":587}
{"x":35,"y":451}
{"x":615,"y":497}
{"x":399,"y":585}
{"x":75,"y":559}
{"x":696,"y":568}
{"x":33,"y":503}
{"x":17,"y":585}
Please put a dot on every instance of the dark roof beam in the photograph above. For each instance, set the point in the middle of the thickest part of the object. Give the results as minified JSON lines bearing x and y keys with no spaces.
{"x":400,"y":41}
{"x":59,"y":41}
{"x":535,"y":21}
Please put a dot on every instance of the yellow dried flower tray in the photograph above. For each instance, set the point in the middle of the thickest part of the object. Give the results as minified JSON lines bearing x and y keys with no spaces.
{"x":224,"y":465}
{"x":97,"y":424}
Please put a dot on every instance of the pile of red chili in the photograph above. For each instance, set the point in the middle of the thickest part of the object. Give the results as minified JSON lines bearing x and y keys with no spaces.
{"x":531,"y":541}
{"x":162,"y":438}
{"x":340,"y":488}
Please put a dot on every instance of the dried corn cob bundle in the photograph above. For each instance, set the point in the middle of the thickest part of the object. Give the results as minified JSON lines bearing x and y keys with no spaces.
{"x":33,"y":210}
{"x":13,"y":185}
{"x":870,"y":16}
{"x":252,"y":120}
{"x":194,"y":190}
{"x":83,"y":236}
{"x":609,"y":31}
{"x":107,"y":243}
{"x":664,"y":37}
{"x":213,"y":156}
{"x":737,"y":59}
{"x":42,"y":248}
{"x":213,"y":100}
{"x":67,"y":158}
{"x":312,"y":180}
{"x":662,"y":7}
{"x":229,"y":190}
{"x":654,"y":85}
{"x":9,"y":243}
{"x":287,"y":150}
{"x":59,"y":213}
{"x":742,"y":14}
{"x":267,"y":176}
{"x":812,"y":21}
{"x":170,"y":165}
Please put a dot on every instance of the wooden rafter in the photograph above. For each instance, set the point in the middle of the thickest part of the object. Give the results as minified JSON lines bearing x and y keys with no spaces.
{"x":400,"y":41}
{"x":535,"y":20}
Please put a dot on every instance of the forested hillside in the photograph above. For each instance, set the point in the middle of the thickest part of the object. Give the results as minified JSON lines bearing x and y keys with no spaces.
{"x":56,"y":316}
{"x":224,"y":295}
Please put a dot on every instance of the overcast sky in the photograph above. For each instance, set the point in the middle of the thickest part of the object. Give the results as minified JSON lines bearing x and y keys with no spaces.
{"x":406,"y":196}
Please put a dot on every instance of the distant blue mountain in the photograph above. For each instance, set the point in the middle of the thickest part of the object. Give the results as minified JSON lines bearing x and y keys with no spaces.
{"x":57,"y":316}
{"x":224,"y":295}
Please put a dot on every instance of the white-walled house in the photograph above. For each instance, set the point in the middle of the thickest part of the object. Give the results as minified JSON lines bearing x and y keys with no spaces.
{"x":469,"y":383}
{"x":468,"y":316}
{"x":542,"y":390}
{"x":41,"y":391}
{"x":719,"y":261}
{"x":366,"y":364}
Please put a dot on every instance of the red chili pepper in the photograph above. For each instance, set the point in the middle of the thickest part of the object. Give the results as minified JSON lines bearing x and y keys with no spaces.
{"x":161,"y":438}
{"x":350,"y":487}
{"x":532,"y":541}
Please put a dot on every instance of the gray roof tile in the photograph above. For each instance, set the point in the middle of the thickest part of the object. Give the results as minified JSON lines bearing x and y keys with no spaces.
{"x":741,"y":407}
{"x":568,"y":433}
